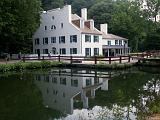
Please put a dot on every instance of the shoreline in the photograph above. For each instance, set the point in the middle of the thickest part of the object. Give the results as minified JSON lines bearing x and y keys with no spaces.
{"x":18,"y":65}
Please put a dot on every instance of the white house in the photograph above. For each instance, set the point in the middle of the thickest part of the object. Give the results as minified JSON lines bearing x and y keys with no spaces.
{"x":62,"y":32}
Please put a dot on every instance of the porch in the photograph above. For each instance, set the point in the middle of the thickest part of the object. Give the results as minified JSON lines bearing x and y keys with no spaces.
{"x":115,"y":50}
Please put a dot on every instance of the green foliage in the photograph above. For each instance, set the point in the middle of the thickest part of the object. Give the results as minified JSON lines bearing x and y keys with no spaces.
{"x":51,"y":4}
{"x":117,"y":66}
{"x":20,"y":99}
{"x":18,"y":21}
{"x":27,"y":65}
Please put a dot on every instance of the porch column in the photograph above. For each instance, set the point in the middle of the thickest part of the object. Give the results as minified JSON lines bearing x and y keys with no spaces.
{"x":84,"y":99}
{"x":108,"y":52}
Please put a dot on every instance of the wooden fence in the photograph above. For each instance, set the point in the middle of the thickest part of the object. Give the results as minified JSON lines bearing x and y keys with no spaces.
{"x":95,"y":59}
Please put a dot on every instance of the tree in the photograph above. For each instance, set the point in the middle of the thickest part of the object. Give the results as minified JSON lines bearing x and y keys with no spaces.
{"x":18,"y":20}
{"x":127,"y":22}
{"x":153,"y":8}
{"x":52,"y":4}
{"x":102,"y":11}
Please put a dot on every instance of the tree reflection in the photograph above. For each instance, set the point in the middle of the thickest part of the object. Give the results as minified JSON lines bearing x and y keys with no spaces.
{"x":132,"y":93}
{"x":21,"y":100}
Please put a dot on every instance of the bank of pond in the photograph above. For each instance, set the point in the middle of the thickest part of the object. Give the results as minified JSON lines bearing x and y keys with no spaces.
{"x":78,"y":94}
{"x":48,"y":64}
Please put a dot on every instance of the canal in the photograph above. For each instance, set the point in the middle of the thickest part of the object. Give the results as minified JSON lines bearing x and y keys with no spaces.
{"x":80,"y":94}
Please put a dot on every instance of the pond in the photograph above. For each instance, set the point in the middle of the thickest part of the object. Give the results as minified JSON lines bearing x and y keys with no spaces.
{"x":80,"y":94}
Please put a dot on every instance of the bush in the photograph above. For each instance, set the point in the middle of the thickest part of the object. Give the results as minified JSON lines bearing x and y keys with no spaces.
{"x":27,"y":65}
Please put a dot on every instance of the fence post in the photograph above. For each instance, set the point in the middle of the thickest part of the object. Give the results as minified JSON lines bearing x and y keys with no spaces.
{"x":129,"y":58}
{"x":95,"y":59}
{"x":59,"y":59}
{"x":109,"y":60}
{"x":23,"y":59}
{"x":120,"y":59}
{"x":71,"y":59}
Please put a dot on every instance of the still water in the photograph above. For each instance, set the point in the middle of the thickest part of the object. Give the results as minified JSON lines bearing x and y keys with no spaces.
{"x":80,"y":94}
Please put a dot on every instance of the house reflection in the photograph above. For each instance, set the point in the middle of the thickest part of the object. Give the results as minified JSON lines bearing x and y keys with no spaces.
{"x":60,"y":88}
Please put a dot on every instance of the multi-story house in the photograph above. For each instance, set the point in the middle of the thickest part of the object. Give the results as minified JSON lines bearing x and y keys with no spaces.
{"x":62,"y":32}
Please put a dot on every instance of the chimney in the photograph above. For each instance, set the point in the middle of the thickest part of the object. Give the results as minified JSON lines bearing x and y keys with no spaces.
{"x":104,"y":28}
{"x":91,"y":24}
{"x":81,"y":23}
{"x":67,"y":9}
{"x":84,"y":13}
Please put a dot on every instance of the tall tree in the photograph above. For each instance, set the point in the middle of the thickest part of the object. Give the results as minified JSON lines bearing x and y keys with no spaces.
{"x":102,"y":11}
{"x":18,"y":20}
{"x":153,"y":8}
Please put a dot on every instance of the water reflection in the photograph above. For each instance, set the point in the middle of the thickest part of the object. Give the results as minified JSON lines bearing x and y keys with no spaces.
{"x":90,"y":94}
{"x":62,"y":88}
{"x":73,"y":94}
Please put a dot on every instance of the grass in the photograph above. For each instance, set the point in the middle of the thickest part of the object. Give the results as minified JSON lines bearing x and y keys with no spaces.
{"x":20,"y":66}
{"x":28,"y":65}
{"x":114,"y":65}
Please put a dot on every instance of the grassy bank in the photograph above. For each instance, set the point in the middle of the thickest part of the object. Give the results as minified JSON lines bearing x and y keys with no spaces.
{"x":19,"y":66}
{"x":102,"y":66}
{"x":47,"y":64}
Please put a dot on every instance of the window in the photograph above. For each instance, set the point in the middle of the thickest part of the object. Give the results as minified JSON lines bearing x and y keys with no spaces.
{"x":61,"y":25}
{"x":54,"y":80}
{"x":73,"y":38}
{"x":54,"y":50}
{"x":53,"y":39}
{"x":38,"y":77}
{"x":74,"y":82}
{"x":116,"y":42}
{"x":96,"y":38}
{"x":52,"y":17}
{"x":87,"y":38}
{"x":45,"y":40}
{"x":63,"y":81}
{"x":37,"y":41}
{"x":73,"y":50}
{"x":96,"y":51}
{"x":53,"y":27}
{"x":45,"y":51}
{"x":88,"y":81}
{"x":46,"y":78}
{"x":45,"y":27}
{"x":62,"y":51}
{"x":87,"y":51}
{"x":109,"y":43}
{"x":37,"y":51}
{"x":62,"y":39}
{"x":120,"y":42}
